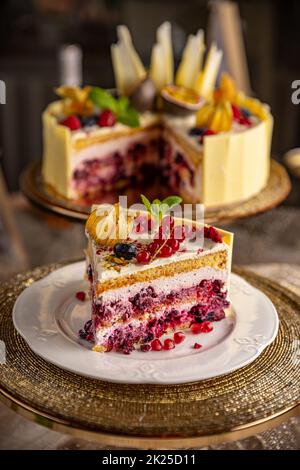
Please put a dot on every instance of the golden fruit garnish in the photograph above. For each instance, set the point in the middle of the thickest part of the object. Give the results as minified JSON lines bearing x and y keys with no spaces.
{"x":227,"y":90}
{"x":253,"y":105}
{"x":75,"y":100}
{"x":180,"y":100}
{"x":109,"y":224}
{"x":215,"y":116}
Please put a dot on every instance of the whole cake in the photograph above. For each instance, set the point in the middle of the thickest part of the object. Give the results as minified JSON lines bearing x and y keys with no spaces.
{"x":202,"y":137}
{"x":152,"y":274}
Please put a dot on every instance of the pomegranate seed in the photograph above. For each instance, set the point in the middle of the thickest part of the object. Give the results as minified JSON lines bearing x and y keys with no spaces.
{"x":72,"y":122}
{"x":173,"y":244}
{"x":145,"y":347}
{"x":107,"y":118}
{"x":197,"y":346}
{"x":237,"y":115}
{"x":156,"y":345}
{"x":143,"y":257}
{"x":80,"y":296}
{"x":168,"y":344}
{"x":152,"y":247}
{"x":206,"y":327}
{"x":179,"y":337}
{"x":196,"y":328}
{"x":165,"y":252}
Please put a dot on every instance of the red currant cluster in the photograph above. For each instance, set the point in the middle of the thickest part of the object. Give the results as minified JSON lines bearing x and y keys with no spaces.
{"x":166,"y":241}
{"x":169,"y":237}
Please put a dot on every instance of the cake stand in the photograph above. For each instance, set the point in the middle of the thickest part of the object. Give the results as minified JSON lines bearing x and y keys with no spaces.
{"x":38,"y":193}
{"x":233,"y":406}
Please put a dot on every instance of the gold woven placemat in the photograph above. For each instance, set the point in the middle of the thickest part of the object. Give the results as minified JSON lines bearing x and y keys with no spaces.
{"x":272,"y":195}
{"x":266,"y":388}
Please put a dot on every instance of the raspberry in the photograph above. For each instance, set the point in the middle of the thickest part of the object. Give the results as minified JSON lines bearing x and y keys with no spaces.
{"x":244,"y":121}
{"x":107,"y":119}
{"x":197,"y":346}
{"x":145,"y":347}
{"x":179,"y":337}
{"x":72,"y":122}
{"x":80,"y":296}
{"x":168,"y":344}
{"x":237,"y":115}
{"x":156,"y":345}
{"x":213,"y":234}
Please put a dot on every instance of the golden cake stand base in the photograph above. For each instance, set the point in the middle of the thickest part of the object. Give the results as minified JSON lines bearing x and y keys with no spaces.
{"x":37,"y":192}
{"x":230,"y":407}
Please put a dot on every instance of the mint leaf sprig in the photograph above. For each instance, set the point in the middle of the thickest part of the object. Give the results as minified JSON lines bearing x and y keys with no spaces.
{"x":159,"y":208}
{"x":119,"y":106}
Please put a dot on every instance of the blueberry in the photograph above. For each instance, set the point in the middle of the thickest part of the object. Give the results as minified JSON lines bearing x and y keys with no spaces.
{"x":245,"y":112}
{"x":197,"y":131}
{"x":125,"y":250}
{"x":87,"y":121}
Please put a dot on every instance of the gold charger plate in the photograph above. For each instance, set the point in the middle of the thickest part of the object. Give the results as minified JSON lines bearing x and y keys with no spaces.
{"x":273,"y":194}
{"x":230,"y":407}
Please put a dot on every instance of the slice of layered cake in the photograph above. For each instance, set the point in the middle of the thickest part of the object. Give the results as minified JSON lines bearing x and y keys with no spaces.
{"x":145,"y":285}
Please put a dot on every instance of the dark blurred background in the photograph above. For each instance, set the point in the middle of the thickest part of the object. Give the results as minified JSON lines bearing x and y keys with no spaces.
{"x":33,"y":31}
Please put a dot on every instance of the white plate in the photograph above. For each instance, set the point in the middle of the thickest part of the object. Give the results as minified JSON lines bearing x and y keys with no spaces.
{"x":48,"y":316}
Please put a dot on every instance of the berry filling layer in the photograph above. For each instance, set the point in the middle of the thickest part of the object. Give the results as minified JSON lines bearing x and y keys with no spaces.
{"x":126,"y":337}
{"x":95,"y":175}
{"x":147,"y":315}
{"x":209,"y":295}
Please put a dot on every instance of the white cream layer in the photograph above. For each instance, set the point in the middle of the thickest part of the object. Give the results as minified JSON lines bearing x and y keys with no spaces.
{"x":166,"y":284}
{"x":192,"y":252}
